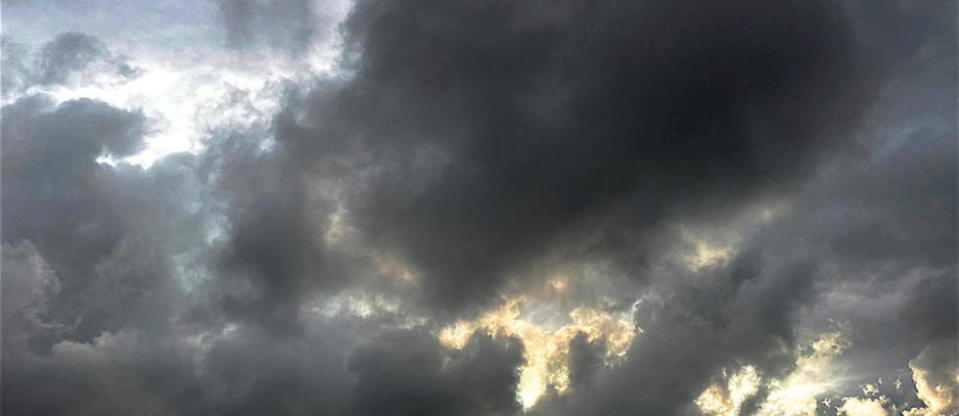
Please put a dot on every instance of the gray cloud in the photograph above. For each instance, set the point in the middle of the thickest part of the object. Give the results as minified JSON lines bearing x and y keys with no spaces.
{"x":54,"y":190}
{"x":524,"y":133}
{"x":277,"y":24}
{"x":476,"y":150}
{"x":60,"y":61}
{"x":68,"y":52}
{"x":407,"y":373}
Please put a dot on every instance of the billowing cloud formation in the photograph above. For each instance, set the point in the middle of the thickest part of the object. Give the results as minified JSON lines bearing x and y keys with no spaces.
{"x":480,"y":208}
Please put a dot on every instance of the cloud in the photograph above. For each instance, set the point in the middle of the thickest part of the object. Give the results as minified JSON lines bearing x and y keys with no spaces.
{"x":479,"y":379}
{"x":488,"y":208}
{"x":64,"y":211}
{"x":68,"y":56}
{"x":936,"y":374}
{"x":527,"y":106}
{"x":728,"y":400}
{"x":862,"y":407}
{"x":548,"y":347}
{"x":17,"y":72}
{"x":68,"y":52}
{"x":286,"y":25}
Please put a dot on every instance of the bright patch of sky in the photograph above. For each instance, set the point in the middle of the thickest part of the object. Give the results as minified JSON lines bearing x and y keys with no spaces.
{"x":189,"y":82}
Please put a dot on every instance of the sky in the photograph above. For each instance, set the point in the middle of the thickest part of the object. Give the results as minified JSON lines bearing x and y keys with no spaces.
{"x":479,"y":207}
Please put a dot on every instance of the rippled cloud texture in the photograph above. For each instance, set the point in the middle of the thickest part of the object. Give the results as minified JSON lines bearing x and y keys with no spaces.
{"x":479,"y":207}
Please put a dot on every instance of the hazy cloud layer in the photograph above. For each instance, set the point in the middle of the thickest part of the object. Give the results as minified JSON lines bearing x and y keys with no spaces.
{"x":719,"y":208}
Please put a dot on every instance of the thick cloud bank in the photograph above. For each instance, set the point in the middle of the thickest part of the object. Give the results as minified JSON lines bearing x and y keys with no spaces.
{"x":460,"y":207}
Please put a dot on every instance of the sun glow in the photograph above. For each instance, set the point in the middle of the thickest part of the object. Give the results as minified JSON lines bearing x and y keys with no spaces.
{"x":545,"y":345}
{"x":939,"y":396}
{"x":727,"y":400}
{"x":794,"y":395}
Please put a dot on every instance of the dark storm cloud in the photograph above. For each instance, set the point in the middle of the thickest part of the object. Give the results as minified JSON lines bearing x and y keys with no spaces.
{"x":585,"y":358}
{"x":53,"y":188}
{"x":479,"y":143}
{"x":107,"y":233}
{"x":539,"y":117}
{"x":408,"y":373}
{"x":886,"y":217}
{"x":503,"y":130}
{"x":737,"y":313}
{"x":273,"y":239}
{"x":153,"y":367}
{"x":930,"y":307}
{"x":275,"y":256}
{"x":257,"y":372}
{"x":77,"y":268}
{"x":100,"y":316}
{"x":874,"y":236}
{"x":95,"y":318}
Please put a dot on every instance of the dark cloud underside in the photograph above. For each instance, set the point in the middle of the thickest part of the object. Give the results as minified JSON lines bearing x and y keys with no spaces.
{"x":471,"y":150}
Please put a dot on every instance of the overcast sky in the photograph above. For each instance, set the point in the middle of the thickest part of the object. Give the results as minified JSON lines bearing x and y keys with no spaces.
{"x":479,"y":207}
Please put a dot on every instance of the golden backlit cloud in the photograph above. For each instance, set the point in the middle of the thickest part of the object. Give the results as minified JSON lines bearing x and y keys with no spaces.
{"x":940,"y":396}
{"x":794,"y":395}
{"x":546,"y":344}
{"x":798,"y":392}
{"x":856,"y":406}
{"x":706,"y":254}
{"x":710,"y":246}
{"x":726,"y":400}
{"x":704,"y":248}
